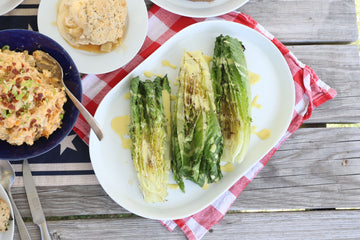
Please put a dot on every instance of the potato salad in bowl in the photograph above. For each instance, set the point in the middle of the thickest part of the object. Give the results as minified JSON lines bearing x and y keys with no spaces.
{"x":35,"y":115}
{"x":31,"y":102}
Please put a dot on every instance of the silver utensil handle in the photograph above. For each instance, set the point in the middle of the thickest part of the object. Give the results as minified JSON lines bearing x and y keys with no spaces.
{"x":88,"y":117}
{"x":24,"y":234}
{"x":45,"y":235}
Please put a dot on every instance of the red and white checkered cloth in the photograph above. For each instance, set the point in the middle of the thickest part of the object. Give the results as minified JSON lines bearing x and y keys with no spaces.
{"x":310,"y":93}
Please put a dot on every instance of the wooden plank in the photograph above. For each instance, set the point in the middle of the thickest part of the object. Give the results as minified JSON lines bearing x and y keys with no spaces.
{"x":69,"y":200}
{"x":338,"y":66}
{"x":315,"y":168}
{"x":307,"y":21}
{"x":273,"y":225}
{"x":288,"y":225}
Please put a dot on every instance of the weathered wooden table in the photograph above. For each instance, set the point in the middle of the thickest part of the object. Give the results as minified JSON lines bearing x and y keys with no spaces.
{"x":310,"y":189}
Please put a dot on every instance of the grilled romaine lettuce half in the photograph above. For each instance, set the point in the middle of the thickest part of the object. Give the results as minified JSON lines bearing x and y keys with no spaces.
{"x":197,"y":142}
{"x":231,"y":85}
{"x":150,"y":135}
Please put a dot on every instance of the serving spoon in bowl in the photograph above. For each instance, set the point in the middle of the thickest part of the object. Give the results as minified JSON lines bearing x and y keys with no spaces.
{"x":43,"y":61}
{"x":7,"y":178}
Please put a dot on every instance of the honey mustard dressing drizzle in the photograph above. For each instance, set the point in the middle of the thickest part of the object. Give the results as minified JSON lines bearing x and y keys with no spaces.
{"x":149,"y":74}
{"x":229,"y":167}
{"x":166,"y":63}
{"x":173,"y":186}
{"x":127,"y":96}
{"x":206,"y":186}
{"x":208,"y":59}
{"x":254,"y":78}
{"x":254,"y":103}
{"x":167,"y":110}
{"x":263,"y":134}
{"x":120,"y":125}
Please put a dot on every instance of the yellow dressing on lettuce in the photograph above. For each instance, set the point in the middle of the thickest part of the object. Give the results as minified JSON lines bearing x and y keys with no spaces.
{"x":229,"y":167}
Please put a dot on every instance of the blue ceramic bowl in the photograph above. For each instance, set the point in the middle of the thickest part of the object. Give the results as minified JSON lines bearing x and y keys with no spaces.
{"x":20,"y":40}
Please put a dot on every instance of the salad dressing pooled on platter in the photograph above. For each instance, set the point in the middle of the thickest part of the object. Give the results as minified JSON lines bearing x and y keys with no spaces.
{"x":255,"y":104}
{"x":254,"y":78}
{"x":166,"y":63}
{"x":120,"y":125}
{"x":263,"y":134}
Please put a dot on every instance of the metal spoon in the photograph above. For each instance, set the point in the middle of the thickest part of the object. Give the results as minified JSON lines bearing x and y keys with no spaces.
{"x":7,"y":177}
{"x":43,"y":61}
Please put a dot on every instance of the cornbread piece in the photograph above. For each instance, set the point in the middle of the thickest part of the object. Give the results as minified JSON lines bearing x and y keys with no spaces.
{"x":95,"y":22}
{"x":5,"y":215}
{"x":31,"y":103}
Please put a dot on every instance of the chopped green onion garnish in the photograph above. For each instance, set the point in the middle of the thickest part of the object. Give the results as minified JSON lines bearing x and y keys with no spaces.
{"x":5,"y":47}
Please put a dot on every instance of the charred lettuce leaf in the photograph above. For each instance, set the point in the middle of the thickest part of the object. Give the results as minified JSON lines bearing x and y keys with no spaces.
{"x":150,"y":135}
{"x":197,"y":142}
{"x":231,"y":85}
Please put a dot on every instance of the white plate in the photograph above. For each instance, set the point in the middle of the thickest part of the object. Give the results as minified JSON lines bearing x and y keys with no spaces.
{"x":113,"y":165}
{"x":200,"y":9}
{"x":88,"y":62}
{"x":9,"y":234}
{"x":8,"y":5}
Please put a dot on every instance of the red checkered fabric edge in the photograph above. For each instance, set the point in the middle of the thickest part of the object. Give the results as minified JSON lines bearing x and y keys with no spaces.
{"x":310,"y":93}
